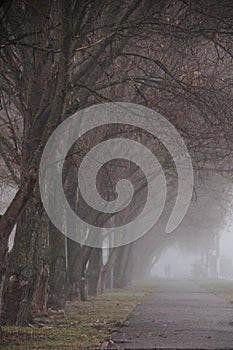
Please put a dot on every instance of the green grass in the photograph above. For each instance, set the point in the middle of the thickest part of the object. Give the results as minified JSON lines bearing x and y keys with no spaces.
{"x":122,"y":296}
{"x":222,"y":288}
{"x":84,"y":324}
{"x":41,"y":338}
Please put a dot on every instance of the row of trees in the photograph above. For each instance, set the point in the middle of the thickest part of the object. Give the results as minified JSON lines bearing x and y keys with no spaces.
{"x":58,"y":57}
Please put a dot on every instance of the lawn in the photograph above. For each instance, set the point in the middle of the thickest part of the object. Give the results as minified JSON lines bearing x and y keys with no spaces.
{"x":222,"y":288}
{"x":81,"y":325}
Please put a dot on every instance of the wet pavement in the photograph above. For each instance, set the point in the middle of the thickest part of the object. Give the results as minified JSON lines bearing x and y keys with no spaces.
{"x":177,"y":315}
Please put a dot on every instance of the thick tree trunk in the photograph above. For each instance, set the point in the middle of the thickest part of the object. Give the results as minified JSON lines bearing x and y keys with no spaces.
{"x":58,"y":273}
{"x":14,"y":294}
{"x":50,"y":101}
{"x":94,"y":269}
{"x":105,"y":273}
{"x":77,"y":260}
{"x":120,"y":269}
{"x":74,"y":270}
{"x":28,"y":255}
{"x":8,"y":221}
{"x":40,"y":299}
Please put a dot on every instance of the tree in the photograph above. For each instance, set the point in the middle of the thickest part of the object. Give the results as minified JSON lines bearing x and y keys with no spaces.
{"x":39,"y":52}
{"x":63,"y":57}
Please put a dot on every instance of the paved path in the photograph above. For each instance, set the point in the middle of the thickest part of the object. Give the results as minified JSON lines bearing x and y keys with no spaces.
{"x":178,"y":315}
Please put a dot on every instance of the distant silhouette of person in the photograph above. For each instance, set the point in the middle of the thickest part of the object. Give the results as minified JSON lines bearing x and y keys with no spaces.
{"x":167,"y":270}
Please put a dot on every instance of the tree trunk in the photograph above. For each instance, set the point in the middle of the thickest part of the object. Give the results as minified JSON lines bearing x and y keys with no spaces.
{"x":106,"y":270}
{"x":7,"y":223}
{"x":58,"y":273}
{"x":40,"y":298}
{"x":74,"y":269}
{"x":77,"y":261}
{"x":28,"y":255}
{"x":94,"y":268}
{"x":120,"y":269}
{"x":35,"y":135}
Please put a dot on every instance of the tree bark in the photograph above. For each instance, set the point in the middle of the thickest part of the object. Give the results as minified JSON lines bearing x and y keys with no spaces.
{"x":58,"y":273}
{"x":120,"y":276}
{"x":28,"y":255}
{"x":8,"y":221}
{"x":39,"y":304}
{"x":94,"y":269}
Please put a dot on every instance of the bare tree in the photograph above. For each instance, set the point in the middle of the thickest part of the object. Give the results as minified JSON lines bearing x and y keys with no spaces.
{"x":56,"y":58}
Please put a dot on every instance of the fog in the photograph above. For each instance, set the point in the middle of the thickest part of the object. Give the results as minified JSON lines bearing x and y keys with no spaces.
{"x":176,"y":262}
{"x":179,"y":263}
{"x":226,"y":243}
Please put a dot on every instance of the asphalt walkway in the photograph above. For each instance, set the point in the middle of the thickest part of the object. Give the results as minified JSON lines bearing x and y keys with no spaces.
{"x":178,"y":315}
